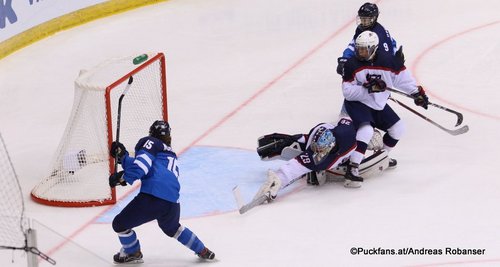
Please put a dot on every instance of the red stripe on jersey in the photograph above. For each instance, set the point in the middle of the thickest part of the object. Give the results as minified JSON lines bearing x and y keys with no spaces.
{"x":374,"y":68}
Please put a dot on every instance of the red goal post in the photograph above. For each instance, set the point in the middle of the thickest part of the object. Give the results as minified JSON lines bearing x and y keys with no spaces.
{"x":82,"y":165}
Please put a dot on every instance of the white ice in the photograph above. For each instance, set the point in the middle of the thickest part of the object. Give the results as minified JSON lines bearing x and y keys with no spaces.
{"x":240,"y":69}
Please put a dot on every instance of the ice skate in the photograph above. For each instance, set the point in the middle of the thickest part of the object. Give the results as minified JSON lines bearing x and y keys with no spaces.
{"x":392,"y":163}
{"x":122,"y":257}
{"x":206,"y":254}
{"x":351,"y":177}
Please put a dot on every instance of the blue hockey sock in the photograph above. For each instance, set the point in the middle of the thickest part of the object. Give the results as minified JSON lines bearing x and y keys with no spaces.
{"x":189,"y":239}
{"x":129,"y":241}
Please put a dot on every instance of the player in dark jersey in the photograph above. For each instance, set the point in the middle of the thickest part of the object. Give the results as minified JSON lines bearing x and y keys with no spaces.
{"x":155,"y":164}
{"x":325,"y":147}
{"x":367,"y":21}
{"x":366,"y":76}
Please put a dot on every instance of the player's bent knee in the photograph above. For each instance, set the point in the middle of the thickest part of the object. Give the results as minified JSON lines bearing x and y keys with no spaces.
{"x":364,"y":133}
{"x":397,"y":130}
{"x":118,"y":226}
{"x":172,"y":230}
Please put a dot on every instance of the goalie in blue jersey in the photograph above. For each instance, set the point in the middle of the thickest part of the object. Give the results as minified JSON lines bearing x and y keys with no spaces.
{"x":155,"y":164}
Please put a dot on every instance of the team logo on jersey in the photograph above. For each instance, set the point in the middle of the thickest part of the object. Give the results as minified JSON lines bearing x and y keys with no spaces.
{"x":370,"y":77}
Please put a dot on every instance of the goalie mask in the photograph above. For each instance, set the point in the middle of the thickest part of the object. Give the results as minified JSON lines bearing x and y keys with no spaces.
{"x":323,"y":142}
{"x":159,"y":129}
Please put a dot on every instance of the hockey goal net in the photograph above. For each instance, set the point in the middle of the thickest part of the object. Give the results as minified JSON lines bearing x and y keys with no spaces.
{"x":82,"y":165}
{"x":12,"y":224}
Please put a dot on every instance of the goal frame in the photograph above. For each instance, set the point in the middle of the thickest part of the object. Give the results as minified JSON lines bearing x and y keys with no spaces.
{"x":158,"y":57}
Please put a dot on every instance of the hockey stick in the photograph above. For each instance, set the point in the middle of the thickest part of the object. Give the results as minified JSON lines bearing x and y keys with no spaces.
{"x":459,"y":115}
{"x":458,"y":131}
{"x":242,"y":208}
{"x":118,"y":117}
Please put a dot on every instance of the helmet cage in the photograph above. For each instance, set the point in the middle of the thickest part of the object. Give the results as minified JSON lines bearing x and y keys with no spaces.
{"x":323,"y":142}
{"x":365,"y":23}
{"x":159,"y":129}
{"x":367,"y":16}
{"x":366,"y":46}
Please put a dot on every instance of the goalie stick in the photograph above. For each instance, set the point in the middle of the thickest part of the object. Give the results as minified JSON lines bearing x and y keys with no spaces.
{"x":242,"y":208}
{"x":118,"y":116}
{"x":458,"y":131}
{"x":459,"y":115}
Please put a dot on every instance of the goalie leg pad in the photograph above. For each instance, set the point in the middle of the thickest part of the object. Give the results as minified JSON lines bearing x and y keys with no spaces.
{"x":374,"y":164}
{"x":271,"y":187}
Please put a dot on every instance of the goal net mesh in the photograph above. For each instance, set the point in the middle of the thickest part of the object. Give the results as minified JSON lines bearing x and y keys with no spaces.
{"x":12,"y":226}
{"x":82,"y":165}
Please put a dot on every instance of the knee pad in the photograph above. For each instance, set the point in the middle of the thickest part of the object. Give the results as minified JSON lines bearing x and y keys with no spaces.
{"x":364,"y":133}
{"x":397,"y":130}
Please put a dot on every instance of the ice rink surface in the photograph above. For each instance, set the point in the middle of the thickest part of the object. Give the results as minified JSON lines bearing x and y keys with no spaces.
{"x":239,"y":69}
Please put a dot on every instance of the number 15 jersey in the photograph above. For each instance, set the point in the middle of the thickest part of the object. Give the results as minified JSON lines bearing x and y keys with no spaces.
{"x":155,"y":164}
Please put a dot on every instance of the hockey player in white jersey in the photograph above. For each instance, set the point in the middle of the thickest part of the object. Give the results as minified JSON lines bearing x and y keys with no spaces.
{"x":365,"y":79}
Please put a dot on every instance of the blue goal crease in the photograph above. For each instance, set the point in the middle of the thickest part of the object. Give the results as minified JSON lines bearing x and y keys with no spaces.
{"x":207,"y":177}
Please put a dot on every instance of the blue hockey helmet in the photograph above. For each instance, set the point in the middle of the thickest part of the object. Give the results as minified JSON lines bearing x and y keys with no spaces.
{"x":322,"y":143}
{"x":159,"y":129}
{"x":367,"y":16}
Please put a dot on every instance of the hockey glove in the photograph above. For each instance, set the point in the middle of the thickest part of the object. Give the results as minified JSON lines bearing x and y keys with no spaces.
{"x":117,"y":179}
{"x":421,"y":98}
{"x":118,"y":151}
{"x":400,"y":55}
{"x":340,"y":67}
{"x":375,"y":85}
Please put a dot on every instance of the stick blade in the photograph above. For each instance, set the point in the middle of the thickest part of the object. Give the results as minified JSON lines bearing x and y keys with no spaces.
{"x":238,"y":197}
{"x":242,"y":208}
{"x":459,"y":131}
{"x":254,"y":203}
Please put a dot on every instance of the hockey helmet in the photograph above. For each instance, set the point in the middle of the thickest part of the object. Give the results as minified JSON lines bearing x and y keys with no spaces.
{"x":366,"y":46}
{"x":367,"y":16}
{"x":159,"y":129}
{"x":322,"y":143}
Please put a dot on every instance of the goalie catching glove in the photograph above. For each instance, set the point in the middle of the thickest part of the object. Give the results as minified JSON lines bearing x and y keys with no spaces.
{"x":117,"y":179}
{"x":271,"y":145}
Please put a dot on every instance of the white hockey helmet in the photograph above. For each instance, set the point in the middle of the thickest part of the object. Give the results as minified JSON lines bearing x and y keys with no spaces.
{"x":366,"y":45}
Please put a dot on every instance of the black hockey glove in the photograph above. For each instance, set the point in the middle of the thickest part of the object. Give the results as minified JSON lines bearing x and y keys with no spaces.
{"x":340,"y":67}
{"x":375,"y":85}
{"x":400,"y":55}
{"x":421,"y":98}
{"x":118,"y":151}
{"x":117,"y":179}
